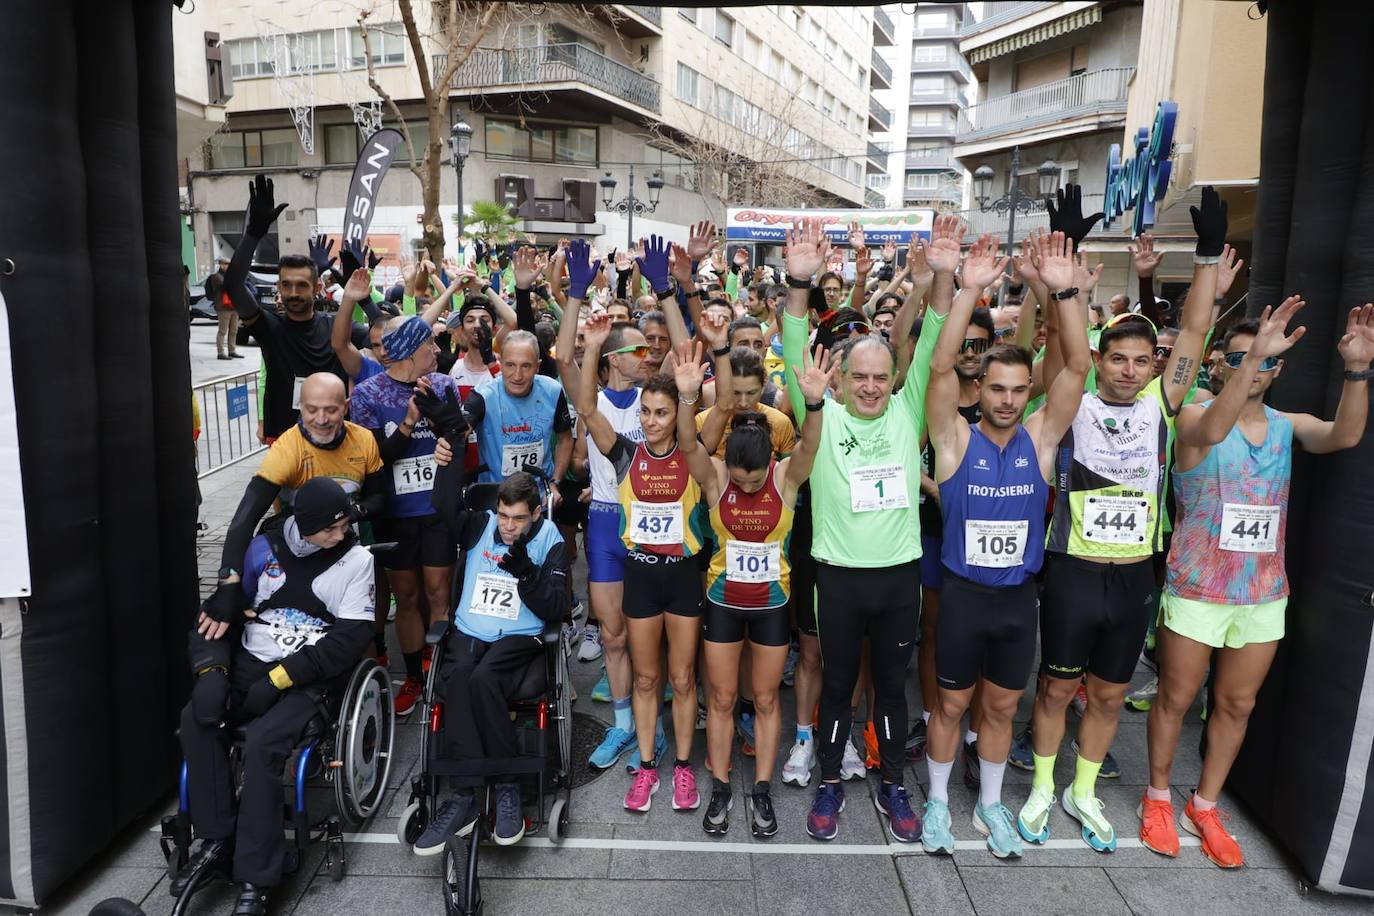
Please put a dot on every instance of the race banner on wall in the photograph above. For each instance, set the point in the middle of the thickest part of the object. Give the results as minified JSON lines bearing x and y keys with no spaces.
{"x":755,"y":224}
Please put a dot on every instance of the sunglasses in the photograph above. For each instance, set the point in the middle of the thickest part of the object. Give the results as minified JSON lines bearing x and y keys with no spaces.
{"x":1164,"y":352}
{"x":1234,"y":359}
{"x":1129,"y":316}
{"x":976,"y":345}
{"x":851,"y":327}
{"x":640,"y":350}
{"x":1003,"y":332}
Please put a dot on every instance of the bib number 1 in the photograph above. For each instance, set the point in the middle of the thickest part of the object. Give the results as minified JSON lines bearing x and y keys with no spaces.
{"x":878,"y":487}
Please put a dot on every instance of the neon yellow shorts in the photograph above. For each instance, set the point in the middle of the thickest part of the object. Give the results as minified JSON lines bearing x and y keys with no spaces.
{"x":1224,"y":625}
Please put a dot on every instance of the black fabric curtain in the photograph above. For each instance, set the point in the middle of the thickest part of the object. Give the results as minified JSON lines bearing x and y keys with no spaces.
{"x":102,"y":390}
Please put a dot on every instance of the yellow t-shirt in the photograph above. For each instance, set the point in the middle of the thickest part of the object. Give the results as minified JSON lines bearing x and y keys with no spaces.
{"x":780,"y":430}
{"x":293,"y":459}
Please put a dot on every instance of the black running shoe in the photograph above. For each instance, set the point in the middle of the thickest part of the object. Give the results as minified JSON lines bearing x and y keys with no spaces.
{"x":716,"y":821}
{"x":763,"y":822}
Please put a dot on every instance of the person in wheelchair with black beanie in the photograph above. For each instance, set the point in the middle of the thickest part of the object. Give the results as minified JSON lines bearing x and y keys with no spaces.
{"x":513,"y":585}
{"x":303,"y":617}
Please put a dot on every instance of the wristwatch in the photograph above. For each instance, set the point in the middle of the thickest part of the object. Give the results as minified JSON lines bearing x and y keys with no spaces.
{"x":798,"y":283}
{"x":1363,"y":375}
{"x":1064,"y":294}
{"x":226,"y":571}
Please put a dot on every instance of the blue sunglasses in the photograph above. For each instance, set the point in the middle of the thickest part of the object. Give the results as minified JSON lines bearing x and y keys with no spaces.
{"x":1234,"y":359}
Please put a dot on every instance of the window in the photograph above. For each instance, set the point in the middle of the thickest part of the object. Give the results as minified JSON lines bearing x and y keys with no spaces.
{"x":341,"y":144}
{"x":930,"y":53}
{"x":419,"y":135}
{"x":832,"y":47}
{"x":688,"y":81}
{"x":676,"y":170}
{"x":561,"y":35}
{"x":827,"y":103}
{"x":794,"y":78}
{"x":575,"y":145}
{"x":725,"y":29}
{"x":688,"y":13}
{"x":773,"y":65}
{"x":725,"y":104}
{"x":931,"y":22}
{"x":249,"y":57}
{"x":921,"y":181}
{"x":790,"y":16}
{"x":315,"y":52}
{"x":540,"y":142}
{"x":927,"y":119}
{"x":251,"y":149}
{"x":927,"y":86}
{"x":752,"y":49}
{"x":388,"y":46}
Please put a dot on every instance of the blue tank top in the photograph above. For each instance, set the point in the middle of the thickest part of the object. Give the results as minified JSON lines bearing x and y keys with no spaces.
{"x":994,"y":512}
{"x":490,"y":606}
{"x":516,"y":431}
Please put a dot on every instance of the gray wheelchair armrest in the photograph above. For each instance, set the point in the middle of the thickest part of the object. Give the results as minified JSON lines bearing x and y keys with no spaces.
{"x":437,"y":631}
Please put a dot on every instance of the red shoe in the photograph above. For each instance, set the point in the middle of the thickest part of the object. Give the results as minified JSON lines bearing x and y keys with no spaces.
{"x":1157,"y":831}
{"x":872,"y":759}
{"x":1217,"y":842}
{"x":408,"y":696}
{"x":426,"y":659}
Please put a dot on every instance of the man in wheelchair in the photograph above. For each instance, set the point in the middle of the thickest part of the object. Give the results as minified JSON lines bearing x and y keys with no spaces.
{"x":513,"y":583}
{"x":310,"y":589}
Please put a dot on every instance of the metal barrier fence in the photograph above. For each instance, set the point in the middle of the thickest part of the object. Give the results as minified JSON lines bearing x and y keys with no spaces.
{"x":228,"y":421}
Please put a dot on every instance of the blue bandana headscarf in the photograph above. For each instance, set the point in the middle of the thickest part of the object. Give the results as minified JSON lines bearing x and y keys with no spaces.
{"x":405,"y":340}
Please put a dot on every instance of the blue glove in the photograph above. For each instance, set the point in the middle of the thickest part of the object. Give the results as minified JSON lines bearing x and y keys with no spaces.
{"x":580,"y":272}
{"x":654,"y":264}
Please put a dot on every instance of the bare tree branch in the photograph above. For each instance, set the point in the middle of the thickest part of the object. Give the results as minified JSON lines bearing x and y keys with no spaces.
{"x":386,"y":96}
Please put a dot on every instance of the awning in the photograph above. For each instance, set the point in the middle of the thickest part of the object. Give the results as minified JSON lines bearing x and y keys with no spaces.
{"x":1078,"y":20}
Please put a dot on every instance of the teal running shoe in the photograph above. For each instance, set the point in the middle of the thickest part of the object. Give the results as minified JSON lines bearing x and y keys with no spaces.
{"x":935,"y":836}
{"x":995,"y":823}
{"x":616,"y":743}
{"x":1097,"y":830}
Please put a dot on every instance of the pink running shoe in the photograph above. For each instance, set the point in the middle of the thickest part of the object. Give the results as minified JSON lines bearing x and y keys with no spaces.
{"x":685,"y":797}
{"x":642,"y":789}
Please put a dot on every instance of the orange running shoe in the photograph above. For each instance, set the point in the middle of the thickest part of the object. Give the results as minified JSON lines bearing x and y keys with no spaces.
{"x":1157,"y":830}
{"x":872,"y":759}
{"x":1217,"y":842}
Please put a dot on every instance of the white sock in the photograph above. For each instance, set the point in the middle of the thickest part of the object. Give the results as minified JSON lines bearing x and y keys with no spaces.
{"x":925,"y":716}
{"x":970,"y":736}
{"x":939,"y":778}
{"x":990,"y":782}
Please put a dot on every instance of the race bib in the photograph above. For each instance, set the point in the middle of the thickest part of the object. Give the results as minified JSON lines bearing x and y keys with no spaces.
{"x":296,"y":393}
{"x":879,"y":486}
{"x":1249,"y":529}
{"x":413,"y":475}
{"x":494,"y":595}
{"x":514,"y":458}
{"x":656,"y":523}
{"x":1115,"y":519}
{"x":995,"y":545}
{"x":748,"y":561}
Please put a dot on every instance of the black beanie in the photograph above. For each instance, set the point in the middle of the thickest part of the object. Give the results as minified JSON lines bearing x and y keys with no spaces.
{"x":320,"y":503}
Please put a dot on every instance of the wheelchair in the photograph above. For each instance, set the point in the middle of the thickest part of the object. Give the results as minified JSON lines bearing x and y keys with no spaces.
{"x":348,"y":742}
{"x":542,"y":711}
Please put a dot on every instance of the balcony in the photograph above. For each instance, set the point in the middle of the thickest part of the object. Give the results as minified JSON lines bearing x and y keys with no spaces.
{"x":874,"y":200}
{"x":879,"y":118}
{"x":948,"y":198}
{"x":1087,"y":95}
{"x":881,"y":72}
{"x":634,"y":21}
{"x":949,"y":97}
{"x":996,"y":223}
{"x":954,"y":63}
{"x":942,"y":158}
{"x":950,"y":29}
{"x":883,"y":29}
{"x":550,"y":68}
{"x":877,"y":157}
{"x":995,"y":14}
{"x":942,"y":131}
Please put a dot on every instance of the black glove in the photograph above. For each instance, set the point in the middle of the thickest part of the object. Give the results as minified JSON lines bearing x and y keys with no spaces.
{"x":445,"y":415}
{"x":478,"y":250}
{"x":517,"y":560}
{"x":262,"y":207}
{"x":320,"y":250}
{"x":1069,"y":218}
{"x":1209,"y":223}
{"x":225,"y":603}
{"x":259,"y":698}
{"x":351,"y":257}
{"x":481,"y":339}
{"x":210,"y":696}
{"x":373,"y":259}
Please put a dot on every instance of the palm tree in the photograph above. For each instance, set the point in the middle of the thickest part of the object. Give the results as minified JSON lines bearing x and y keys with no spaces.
{"x":491,"y":221}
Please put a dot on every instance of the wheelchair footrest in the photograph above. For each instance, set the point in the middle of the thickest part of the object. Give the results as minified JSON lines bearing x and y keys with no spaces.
{"x":492,"y":766}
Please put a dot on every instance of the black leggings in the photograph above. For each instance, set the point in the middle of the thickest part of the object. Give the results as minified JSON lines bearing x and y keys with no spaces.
{"x":885,"y":606}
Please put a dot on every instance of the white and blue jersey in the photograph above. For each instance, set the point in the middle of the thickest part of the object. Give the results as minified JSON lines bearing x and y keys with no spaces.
{"x":513,"y":432}
{"x":490,"y":606}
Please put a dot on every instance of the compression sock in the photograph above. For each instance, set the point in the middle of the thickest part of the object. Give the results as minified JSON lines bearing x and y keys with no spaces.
{"x":1044,"y":772}
{"x":412,"y":660}
{"x":939,"y":778}
{"x":990,"y":782}
{"x":1085,"y":777}
{"x":803,"y":733}
{"x":624,"y":716}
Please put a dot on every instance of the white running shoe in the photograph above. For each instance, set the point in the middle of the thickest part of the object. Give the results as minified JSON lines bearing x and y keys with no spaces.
{"x":590,"y":649}
{"x":800,"y":761}
{"x":852,"y":766}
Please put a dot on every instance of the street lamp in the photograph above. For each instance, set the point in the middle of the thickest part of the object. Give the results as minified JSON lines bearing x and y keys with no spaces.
{"x":1015,"y":199}
{"x":630,"y":204}
{"x":460,"y":146}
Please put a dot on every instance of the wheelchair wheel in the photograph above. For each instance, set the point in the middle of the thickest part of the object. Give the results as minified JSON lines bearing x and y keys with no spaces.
{"x":363,"y":743}
{"x":462,"y":895}
{"x":410,"y":825}
{"x":558,"y":820}
{"x":563,"y":713}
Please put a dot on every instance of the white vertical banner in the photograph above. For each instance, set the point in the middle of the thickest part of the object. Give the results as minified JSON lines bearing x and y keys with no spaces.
{"x":14,"y":557}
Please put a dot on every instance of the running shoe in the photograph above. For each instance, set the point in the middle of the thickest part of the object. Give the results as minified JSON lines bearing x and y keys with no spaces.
{"x":872,"y":758}
{"x":1157,"y":830}
{"x":660,"y":748}
{"x":995,"y":823}
{"x":1080,"y":700}
{"x":685,"y":796}
{"x":426,"y":658}
{"x":892,"y":802}
{"x":800,"y":761}
{"x":701,"y":716}
{"x":601,"y":690}
{"x":972,"y":772}
{"x":1022,"y":754}
{"x":852,"y":766}
{"x":1218,"y":843}
{"x":744,"y":726}
{"x":936,"y":837}
{"x":716,"y":820}
{"x":916,"y":741}
{"x":616,"y":743}
{"x":455,"y":817}
{"x":642,"y":789}
{"x":667,"y":692}
{"x":510,"y":821}
{"x":1097,"y":830}
{"x":1110,"y":768}
{"x":579,"y":612}
{"x":763,"y":822}
{"x":590,"y":649}
{"x":1143,"y":698}
{"x":823,"y":820}
{"x":391,"y":611}
{"x":1033,"y":823}
{"x":789,"y":667}
{"x":408,"y":696}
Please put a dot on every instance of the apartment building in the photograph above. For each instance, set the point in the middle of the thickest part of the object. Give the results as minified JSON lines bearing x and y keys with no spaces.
{"x":556,"y":102}
{"x":938,"y":92}
{"x":1053,"y":85}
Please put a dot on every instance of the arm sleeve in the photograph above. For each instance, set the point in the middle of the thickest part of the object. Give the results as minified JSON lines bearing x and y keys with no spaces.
{"x":391,"y":447}
{"x":794,"y":334}
{"x":562,"y":420}
{"x":237,"y":275}
{"x":622,"y":285}
{"x":257,"y":499}
{"x":372,"y":496}
{"x":524,"y":310}
{"x":447,"y":497}
{"x":918,"y":375}
{"x":544,"y":591}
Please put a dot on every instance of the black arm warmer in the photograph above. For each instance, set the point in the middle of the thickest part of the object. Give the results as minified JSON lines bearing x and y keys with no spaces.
{"x":372,"y":496}
{"x":524,"y":310}
{"x":447,"y":497}
{"x":393,"y":446}
{"x":257,"y":499}
{"x":336,"y":652}
{"x":236,"y":275}
{"x":622,"y":284}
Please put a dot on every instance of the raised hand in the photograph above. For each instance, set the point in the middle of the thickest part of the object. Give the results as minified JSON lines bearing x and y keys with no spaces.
{"x":321,"y":251}
{"x":889,"y":252}
{"x":1144,"y":256}
{"x":982,"y":265}
{"x":373,"y":259}
{"x":718,"y":261}
{"x":916,"y":264}
{"x":1026,"y":267}
{"x":595,"y":331}
{"x":581,"y":270}
{"x":1209,"y":222}
{"x":1084,"y":277}
{"x":686,"y":366}
{"x":807,"y":248}
{"x":623,"y":261}
{"x":863,"y":261}
{"x":714,"y":328}
{"x":701,"y":239}
{"x":856,"y":235}
{"x":816,"y":375}
{"x":1271,"y":339}
{"x":357,"y":287}
{"x":1056,"y":261}
{"x":680,"y":265}
{"x":943,"y":252}
{"x":526,"y":267}
{"x":1068,"y":218}
{"x":1357,"y":344}
{"x":1227,"y":269}
{"x":263,"y":208}
{"x":653,"y":262}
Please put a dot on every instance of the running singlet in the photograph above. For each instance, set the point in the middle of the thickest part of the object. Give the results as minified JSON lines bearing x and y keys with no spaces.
{"x":749,"y":569}
{"x":1110,"y":477}
{"x":468,"y":380}
{"x":490,"y":606}
{"x":380,"y":403}
{"x":621,"y":409}
{"x":867,"y":476}
{"x":994,"y":508}
{"x":658,"y":499}
{"x":932,"y":525}
{"x":513,"y":432}
{"x":293,"y":459}
{"x":1228,"y":545}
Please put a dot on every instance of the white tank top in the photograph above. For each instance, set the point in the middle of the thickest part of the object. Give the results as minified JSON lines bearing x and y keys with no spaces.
{"x":624,"y":420}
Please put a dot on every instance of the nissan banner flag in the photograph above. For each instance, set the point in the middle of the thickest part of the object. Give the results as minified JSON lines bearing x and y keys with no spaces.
{"x":373,"y":162}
